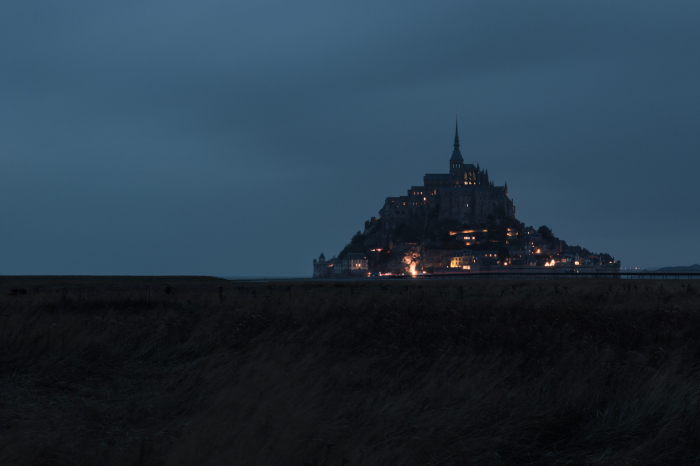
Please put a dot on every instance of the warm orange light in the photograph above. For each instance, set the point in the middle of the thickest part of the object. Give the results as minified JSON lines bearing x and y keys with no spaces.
{"x":468,"y":231}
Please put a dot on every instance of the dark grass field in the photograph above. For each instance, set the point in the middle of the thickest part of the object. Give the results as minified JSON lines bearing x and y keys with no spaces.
{"x":114,"y":370}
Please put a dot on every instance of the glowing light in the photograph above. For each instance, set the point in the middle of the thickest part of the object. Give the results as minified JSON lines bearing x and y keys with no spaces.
{"x":413,"y":269}
{"x":549,"y":264}
{"x":538,"y":251}
{"x":576,"y":263}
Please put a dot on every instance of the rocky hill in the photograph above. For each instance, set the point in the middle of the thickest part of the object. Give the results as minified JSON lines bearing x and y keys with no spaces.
{"x":428,"y":245}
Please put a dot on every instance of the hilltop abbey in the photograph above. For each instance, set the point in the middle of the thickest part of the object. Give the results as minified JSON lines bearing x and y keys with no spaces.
{"x":457,"y":222}
{"x":464,"y":194}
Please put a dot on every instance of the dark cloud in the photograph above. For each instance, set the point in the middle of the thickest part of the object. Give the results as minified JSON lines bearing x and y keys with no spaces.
{"x":242,"y":138}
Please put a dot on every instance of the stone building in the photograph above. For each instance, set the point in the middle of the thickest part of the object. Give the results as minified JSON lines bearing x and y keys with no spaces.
{"x":323,"y":268}
{"x":463,"y":259}
{"x":464,"y":194}
{"x":356,"y":263}
{"x":352,"y":265}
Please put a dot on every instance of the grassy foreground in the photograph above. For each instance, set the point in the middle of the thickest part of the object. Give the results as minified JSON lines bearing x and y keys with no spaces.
{"x":574,"y":372}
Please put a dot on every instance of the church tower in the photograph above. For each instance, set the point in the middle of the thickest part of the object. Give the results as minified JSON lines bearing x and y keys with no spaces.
{"x":456,"y":161}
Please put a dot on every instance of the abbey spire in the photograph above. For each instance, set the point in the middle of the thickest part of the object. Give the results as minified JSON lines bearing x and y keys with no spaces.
{"x":456,"y":154}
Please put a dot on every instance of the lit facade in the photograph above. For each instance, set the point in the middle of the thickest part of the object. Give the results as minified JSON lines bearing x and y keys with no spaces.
{"x":352,"y":265}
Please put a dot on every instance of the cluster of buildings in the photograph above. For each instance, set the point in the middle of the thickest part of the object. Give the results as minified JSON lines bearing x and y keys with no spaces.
{"x":354,"y":264}
{"x":534,"y":253}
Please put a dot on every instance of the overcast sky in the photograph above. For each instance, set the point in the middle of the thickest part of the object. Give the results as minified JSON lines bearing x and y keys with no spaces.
{"x":242,"y":138}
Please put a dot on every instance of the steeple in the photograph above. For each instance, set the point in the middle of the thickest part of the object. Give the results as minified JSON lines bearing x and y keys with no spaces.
{"x":456,"y":154}
{"x":456,"y":133}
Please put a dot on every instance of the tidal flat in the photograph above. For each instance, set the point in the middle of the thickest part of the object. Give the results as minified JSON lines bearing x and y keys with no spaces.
{"x":200,"y":370}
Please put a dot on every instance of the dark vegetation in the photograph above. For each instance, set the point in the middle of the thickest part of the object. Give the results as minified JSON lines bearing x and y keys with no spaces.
{"x":347,"y":373}
{"x":356,"y":244}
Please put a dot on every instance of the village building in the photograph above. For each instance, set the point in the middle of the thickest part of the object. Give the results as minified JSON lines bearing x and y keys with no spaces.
{"x":352,"y":265}
{"x":463,"y":259}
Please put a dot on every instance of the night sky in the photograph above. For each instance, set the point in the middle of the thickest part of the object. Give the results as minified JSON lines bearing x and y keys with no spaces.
{"x":243,"y":138}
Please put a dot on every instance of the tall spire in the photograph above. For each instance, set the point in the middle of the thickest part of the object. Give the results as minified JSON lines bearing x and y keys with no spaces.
{"x":456,"y":133}
{"x":456,"y":154}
